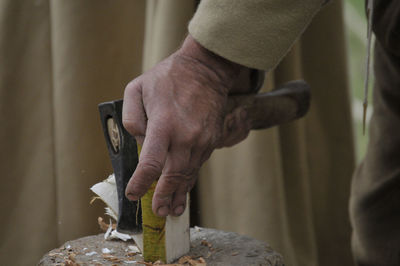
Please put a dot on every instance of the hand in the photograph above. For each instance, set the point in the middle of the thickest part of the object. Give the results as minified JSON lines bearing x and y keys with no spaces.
{"x":177,"y":112}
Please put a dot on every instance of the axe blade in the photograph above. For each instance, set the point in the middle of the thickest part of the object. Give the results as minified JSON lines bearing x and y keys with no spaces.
{"x":122,"y":150}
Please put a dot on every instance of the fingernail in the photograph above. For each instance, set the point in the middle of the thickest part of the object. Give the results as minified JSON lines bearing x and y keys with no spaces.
{"x":179,"y":210}
{"x":163,"y":211}
{"x":132,"y":197}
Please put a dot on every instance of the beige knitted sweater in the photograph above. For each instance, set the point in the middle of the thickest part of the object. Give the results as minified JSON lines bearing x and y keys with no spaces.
{"x":254,"y":33}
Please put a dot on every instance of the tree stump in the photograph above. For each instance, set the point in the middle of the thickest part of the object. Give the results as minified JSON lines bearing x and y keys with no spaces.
{"x":212,"y":246}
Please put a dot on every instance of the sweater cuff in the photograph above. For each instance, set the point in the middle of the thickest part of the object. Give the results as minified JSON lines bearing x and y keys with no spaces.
{"x":253,"y":33}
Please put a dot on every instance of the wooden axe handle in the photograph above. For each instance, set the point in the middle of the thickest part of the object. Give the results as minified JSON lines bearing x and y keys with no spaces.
{"x":282,"y":105}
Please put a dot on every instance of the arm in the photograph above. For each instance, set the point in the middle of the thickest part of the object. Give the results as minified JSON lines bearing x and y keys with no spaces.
{"x":253,"y":33}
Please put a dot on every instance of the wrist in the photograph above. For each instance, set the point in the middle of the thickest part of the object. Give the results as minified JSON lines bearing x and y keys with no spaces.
{"x":226,"y":71}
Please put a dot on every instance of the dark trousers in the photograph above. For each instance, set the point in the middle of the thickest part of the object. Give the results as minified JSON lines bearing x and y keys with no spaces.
{"x":375,"y":198}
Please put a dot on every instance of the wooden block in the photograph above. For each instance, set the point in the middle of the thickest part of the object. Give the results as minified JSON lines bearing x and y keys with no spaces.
{"x":164,"y":239}
{"x":177,"y":235}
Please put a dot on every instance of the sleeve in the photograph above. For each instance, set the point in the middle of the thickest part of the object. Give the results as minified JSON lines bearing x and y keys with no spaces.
{"x":253,"y":33}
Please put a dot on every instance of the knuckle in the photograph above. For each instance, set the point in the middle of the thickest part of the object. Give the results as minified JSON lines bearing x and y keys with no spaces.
{"x":133,"y":127}
{"x":172,"y":179}
{"x":196,"y":130}
{"x":162,"y":198}
{"x":132,"y":85}
{"x":186,"y":140}
{"x":177,"y":178}
{"x":209,"y":140}
{"x":151,"y":166}
{"x":191,"y":135}
{"x":203,"y":142}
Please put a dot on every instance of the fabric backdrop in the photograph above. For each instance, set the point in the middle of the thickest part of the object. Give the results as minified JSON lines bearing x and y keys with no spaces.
{"x":288,"y":186}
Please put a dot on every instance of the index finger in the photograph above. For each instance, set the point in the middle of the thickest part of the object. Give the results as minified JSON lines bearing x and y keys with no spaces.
{"x":151,"y":161}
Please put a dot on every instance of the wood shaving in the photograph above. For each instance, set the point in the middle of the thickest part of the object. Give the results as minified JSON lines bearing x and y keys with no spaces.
{"x":111,"y":258}
{"x":130,"y":259}
{"x":104,"y":226}
{"x":205,"y":243}
{"x":51,"y":254}
{"x":183,"y":261}
{"x":71,"y":263}
{"x":94,"y":199}
{"x":72,"y":256}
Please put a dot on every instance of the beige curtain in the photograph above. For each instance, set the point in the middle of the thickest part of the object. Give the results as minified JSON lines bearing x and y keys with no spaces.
{"x":288,"y":186}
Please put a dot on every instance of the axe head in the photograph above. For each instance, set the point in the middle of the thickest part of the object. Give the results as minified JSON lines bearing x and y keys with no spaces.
{"x":122,"y":150}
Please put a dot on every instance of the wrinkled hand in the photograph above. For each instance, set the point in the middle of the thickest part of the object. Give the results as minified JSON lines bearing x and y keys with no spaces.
{"x":177,"y":112}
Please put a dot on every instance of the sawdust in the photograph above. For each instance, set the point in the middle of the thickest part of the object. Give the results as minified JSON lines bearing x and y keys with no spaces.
{"x":68,"y":257}
{"x":227,"y":248}
{"x":183,"y":261}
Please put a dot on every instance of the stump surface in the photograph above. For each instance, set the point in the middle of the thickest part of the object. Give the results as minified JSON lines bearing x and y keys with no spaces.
{"x":216,"y":247}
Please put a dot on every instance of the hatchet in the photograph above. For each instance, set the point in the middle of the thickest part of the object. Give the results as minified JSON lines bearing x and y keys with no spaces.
{"x":282,"y":105}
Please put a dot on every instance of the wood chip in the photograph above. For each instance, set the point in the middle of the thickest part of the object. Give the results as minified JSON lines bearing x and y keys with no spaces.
{"x":184,"y":259}
{"x":130,"y":259}
{"x":199,"y":262}
{"x":145,"y":263}
{"x":53,"y":254}
{"x":71,"y":263}
{"x":111,"y":258}
{"x":205,"y":243}
{"x":104,"y":226}
{"x":71,"y":256}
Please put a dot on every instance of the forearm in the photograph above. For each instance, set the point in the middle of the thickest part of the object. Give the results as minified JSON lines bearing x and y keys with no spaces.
{"x":252,"y":33}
